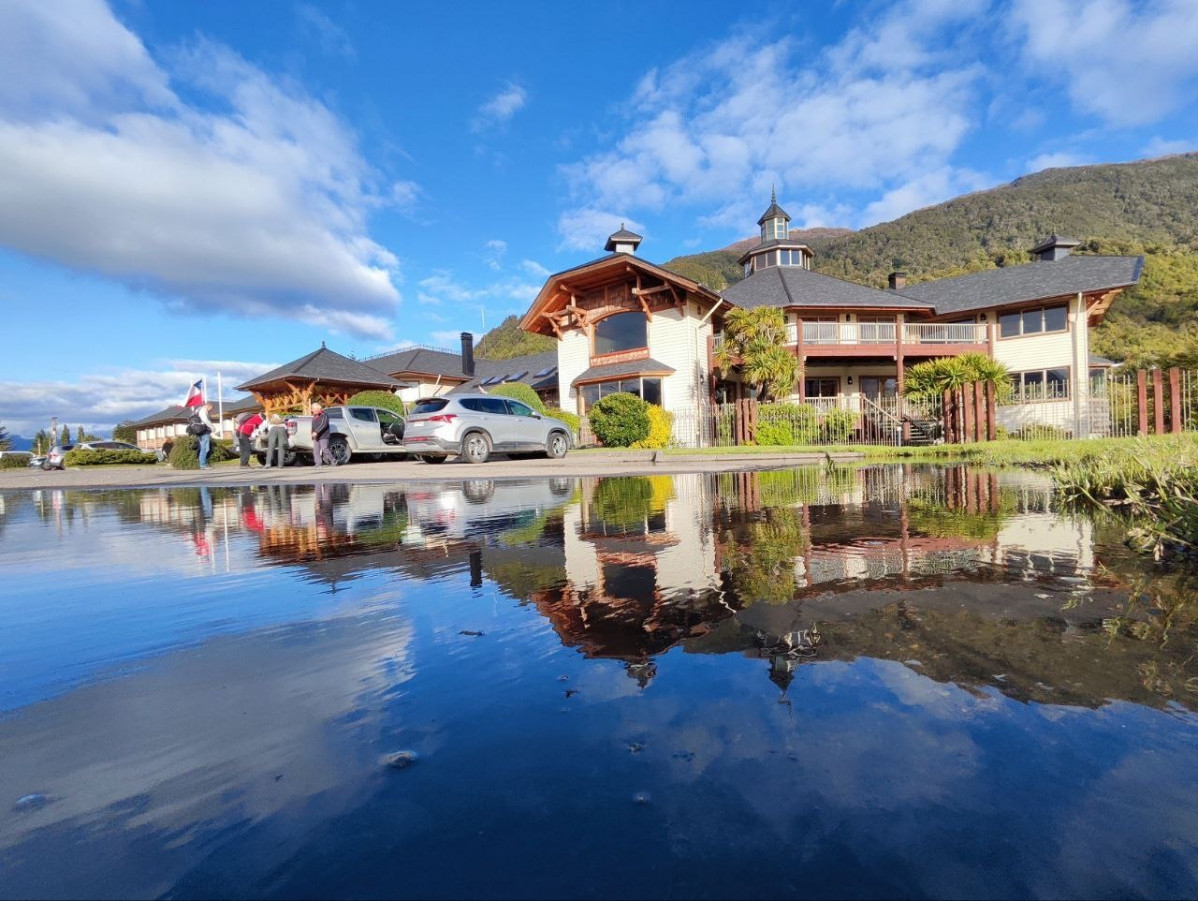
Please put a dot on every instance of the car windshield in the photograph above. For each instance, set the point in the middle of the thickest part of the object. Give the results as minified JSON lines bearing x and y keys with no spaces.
{"x":432,"y":405}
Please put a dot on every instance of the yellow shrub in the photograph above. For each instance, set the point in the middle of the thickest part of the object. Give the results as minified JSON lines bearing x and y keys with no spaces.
{"x":661,"y":429}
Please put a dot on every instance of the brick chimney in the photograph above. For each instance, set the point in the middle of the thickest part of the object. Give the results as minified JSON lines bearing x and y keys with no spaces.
{"x":897,"y":281}
{"x":468,"y":354}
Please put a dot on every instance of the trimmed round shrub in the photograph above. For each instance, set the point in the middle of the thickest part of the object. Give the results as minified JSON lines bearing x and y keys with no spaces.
{"x":384,"y":399}
{"x":620,"y":420}
{"x":661,"y":429}
{"x":521,"y":392}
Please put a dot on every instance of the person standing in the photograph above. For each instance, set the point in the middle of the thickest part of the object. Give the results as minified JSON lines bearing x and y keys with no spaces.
{"x":276,"y":440}
{"x":320,"y":437}
{"x":245,"y":432}
{"x":204,"y":414}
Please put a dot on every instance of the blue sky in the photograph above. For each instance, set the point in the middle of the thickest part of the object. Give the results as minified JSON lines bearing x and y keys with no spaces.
{"x":194,"y":188}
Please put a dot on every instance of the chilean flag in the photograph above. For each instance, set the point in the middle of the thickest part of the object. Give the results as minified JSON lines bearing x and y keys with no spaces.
{"x":195,"y":396}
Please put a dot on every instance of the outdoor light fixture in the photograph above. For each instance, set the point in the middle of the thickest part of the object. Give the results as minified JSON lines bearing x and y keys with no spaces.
{"x":849,"y":380}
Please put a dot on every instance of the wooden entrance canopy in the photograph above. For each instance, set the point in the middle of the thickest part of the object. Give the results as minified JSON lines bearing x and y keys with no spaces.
{"x":322,"y":376}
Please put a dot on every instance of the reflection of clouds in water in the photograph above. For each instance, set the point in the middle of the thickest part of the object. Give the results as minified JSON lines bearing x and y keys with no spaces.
{"x":234,"y":732}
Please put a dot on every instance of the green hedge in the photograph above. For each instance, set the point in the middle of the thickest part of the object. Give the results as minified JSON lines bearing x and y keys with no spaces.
{"x":521,"y":392}
{"x":105,"y":457}
{"x":572,"y":420}
{"x":16,"y":460}
{"x":384,"y":399}
{"x":184,"y":453}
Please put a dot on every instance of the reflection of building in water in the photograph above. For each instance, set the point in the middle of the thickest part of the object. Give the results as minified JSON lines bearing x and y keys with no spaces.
{"x":640,"y":568}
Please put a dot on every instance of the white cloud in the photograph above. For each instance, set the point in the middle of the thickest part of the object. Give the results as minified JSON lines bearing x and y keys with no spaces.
{"x":1128,"y":63}
{"x":535,"y":269}
{"x":442,"y":287}
{"x":923,"y":191}
{"x":451,"y":340}
{"x":1159,"y":146}
{"x":588,"y":229}
{"x":100,"y":401}
{"x":254,"y":204}
{"x":878,"y":112}
{"x":331,"y":37}
{"x":493,"y":253}
{"x":405,"y":195}
{"x":1060,"y":160}
{"x":500,"y":108}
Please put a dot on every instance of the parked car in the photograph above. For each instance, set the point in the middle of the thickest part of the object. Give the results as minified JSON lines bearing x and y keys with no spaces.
{"x":36,"y":461}
{"x":473,"y":426}
{"x":56,"y":459}
{"x":107,"y":445}
{"x":354,"y":431}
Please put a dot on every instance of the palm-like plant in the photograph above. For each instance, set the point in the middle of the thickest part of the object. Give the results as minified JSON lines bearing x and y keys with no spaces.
{"x":755,"y":340}
{"x":933,"y":377}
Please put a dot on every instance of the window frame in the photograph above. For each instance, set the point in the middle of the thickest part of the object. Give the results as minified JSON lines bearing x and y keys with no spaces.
{"x":1020,"y":315}
{"x":596,"y":352}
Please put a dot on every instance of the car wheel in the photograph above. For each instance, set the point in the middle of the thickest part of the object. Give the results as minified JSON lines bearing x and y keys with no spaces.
{"x":339,"y":451}
{"x":290,"y":458}
{"x":46,"y":467}
{"x":478,"y":491}
{"x":261,"y":458}
{"x":476,"y":447}
{"x":430,"y":458}
{"x":375,"y":458}
{"x":557,"y":446}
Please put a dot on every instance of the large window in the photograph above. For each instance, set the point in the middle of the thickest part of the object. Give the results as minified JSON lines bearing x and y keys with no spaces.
{"x":1041,"y":384}
{"x":647,"y":388}
{"x":1033,"y":322}
{"x":624,"y":331}
{"x":827,"y":386}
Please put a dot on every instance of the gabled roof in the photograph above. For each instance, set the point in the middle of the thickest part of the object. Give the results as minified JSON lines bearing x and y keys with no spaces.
{"x":646,"y":366}
{"x":1030,"y":281}
{"x":423,"y":360}
{"x":173,"y":413}
{"x":794,"y":286}
{"x":598,"y":272}
{"x":324,"y":365}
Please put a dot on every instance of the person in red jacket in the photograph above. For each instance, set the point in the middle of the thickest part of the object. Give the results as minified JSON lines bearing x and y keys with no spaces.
{"x":244,"y":432}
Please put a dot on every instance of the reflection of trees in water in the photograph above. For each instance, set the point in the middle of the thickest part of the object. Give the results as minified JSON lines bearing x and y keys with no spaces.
{"x":759,"y":556}
{"x":623,"y":504}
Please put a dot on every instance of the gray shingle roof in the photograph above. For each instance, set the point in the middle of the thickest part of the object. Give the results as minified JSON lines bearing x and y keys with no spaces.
{"x":422,"y":360}
{"x":647,"y":366}
{"x":324,"y":365}
{"x":173,"y":413}
{"x":1030,"y":281}
{"x":530,"y":365}
{"x":793,"y":286}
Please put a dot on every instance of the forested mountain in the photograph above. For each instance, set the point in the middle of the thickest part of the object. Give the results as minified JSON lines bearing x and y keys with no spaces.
{"x":1148,"y":207}
{"x":506,"y":341}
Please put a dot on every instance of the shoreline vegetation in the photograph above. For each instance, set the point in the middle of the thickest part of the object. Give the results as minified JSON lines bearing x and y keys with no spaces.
{"x":1152,"y":481}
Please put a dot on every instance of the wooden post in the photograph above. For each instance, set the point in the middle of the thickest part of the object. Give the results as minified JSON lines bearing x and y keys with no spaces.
{"x":1158,"y":400}
{"x":1142,"y":401}
{"x":991,"y":411}
{"x":1175,"y":423}
{"x":979,"y":411}
{"x":753,"y":419}
{"x":968,"y":405}
{"x":946,"y":416}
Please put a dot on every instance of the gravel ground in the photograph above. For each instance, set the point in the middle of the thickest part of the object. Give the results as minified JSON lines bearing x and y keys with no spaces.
{"x":584,"y":464}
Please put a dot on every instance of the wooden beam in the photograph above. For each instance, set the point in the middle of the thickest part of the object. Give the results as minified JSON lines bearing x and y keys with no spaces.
{"x":644,"y":292}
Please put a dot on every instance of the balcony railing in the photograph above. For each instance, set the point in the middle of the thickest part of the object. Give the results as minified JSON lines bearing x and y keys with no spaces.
{"x":866,"y":333}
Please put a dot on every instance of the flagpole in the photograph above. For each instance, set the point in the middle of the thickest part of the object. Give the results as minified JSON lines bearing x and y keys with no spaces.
{"x":220,"y":404}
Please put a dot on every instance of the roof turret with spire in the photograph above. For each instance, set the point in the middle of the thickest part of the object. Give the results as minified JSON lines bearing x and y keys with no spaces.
{"x":776,"y":248}
{"x":623,"y":241}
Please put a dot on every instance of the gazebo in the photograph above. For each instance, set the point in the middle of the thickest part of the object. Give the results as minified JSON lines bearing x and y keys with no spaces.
{"x":323,"y":375}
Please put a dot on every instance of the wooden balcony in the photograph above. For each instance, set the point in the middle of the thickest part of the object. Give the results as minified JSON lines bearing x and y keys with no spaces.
{"x":881,"y":339}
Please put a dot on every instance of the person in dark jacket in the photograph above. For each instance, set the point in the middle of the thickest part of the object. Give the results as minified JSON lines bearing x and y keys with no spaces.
{"x":320,"y":437}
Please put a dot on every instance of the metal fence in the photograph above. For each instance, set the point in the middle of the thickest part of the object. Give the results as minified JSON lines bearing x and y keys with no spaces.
{"x":1111,"y":404}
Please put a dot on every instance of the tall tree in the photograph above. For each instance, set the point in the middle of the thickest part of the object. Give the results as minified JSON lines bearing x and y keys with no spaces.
{"x":41,"y":442}
{"x":5,"y":441}
{"x":125,"y":431}
{"x":755,"y":342}
{"x":66,"y":436}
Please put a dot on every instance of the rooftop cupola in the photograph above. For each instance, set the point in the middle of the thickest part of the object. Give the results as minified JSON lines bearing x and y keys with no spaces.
{"x":1054,"y":247}
{"x":623,"y":241}
{"x":774,"y":222}
{"x":776,"y":247}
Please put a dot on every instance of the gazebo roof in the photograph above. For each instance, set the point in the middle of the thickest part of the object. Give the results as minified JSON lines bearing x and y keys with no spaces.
{"x":327,"y":367}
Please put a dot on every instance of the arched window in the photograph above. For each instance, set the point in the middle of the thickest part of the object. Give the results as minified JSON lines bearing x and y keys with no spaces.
{"x":623,"y":331}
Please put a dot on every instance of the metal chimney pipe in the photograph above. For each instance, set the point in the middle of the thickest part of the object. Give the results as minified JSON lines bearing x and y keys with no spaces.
{"x":468,"y":354}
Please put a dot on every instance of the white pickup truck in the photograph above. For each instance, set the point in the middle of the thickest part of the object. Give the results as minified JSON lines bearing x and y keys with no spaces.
{"x":370,"y":433}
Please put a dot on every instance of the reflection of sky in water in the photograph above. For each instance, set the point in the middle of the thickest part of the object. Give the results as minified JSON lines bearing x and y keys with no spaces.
{"x":236,"y":748}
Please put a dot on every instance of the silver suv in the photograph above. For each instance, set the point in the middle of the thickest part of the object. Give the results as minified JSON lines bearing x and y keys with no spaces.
{"x":473,"y":426}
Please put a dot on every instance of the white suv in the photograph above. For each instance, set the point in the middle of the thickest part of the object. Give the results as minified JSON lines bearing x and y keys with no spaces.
{"x":473,"y":426}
